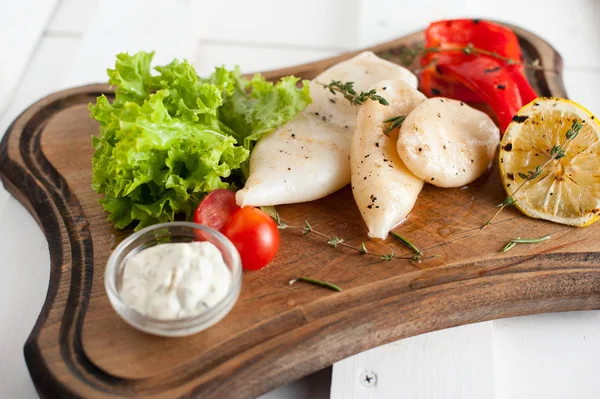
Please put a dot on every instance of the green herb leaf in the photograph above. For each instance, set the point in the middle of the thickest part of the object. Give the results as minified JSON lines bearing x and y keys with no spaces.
{"x":396,"y":122}
{"x":508,"y":201}
{"x":307,"y":228}
{"x":347,"y":90}
{"x":410,"y":245}
{"x":334,"y":241}
{"x":574,"y":130}
{"x":388,"y":257}
{"x":516,"y":241}
{"x":316,"y":282}
{"x":362,"y":250}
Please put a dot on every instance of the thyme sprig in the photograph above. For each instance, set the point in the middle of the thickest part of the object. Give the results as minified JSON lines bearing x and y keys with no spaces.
{"x":347,"y":90}
{"x":557,"y":152}
{"x":516,"y":241}
{"x":408,"y":55}
{"x":336,"y":241}
{"x":316,"y":282}
{"x":396,"y":121}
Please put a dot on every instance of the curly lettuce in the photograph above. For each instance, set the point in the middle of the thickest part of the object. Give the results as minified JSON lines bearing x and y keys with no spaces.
{"x":169,"y":138}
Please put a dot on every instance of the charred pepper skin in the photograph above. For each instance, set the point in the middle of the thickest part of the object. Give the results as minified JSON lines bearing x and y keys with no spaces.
{"x":450,"y":72}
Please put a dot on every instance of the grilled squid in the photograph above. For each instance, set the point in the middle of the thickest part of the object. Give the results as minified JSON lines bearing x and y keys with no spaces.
{"x":308,"y":157}
{"x":383,"y":188}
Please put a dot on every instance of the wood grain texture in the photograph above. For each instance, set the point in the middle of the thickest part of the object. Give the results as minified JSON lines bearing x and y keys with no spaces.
{"x":277,"y":333}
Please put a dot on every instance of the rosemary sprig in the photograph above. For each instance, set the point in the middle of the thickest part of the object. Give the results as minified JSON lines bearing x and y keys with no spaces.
{"x":410,"y":245}
{"x":347,"y":90}
{"x":317,"y":282}
{"x":557,"y":152}
{"x":396,"y":122}
{"x":516,"y":241}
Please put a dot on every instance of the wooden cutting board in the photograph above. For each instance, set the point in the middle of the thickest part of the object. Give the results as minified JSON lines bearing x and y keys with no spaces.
{"x":276,"y":332}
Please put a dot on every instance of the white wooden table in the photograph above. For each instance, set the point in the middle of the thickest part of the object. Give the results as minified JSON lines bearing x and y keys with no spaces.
{"x":47,"y":45}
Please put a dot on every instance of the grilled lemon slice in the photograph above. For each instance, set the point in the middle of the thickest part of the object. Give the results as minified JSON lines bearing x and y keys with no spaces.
{"x":564,"y":190}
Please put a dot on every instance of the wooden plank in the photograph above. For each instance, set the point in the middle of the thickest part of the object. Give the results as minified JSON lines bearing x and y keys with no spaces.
{"x":452,"y":363}
{"x":548,"y":356}
{"x":24,"y":286}
{"x":131,"y":29}
{"x":251,"y":58}
{"x":575,"y":37}
{"x":314,"y":24}
{"x":29,"y":19}
{"x":72,"y":17}
{"x":46,"y":74}
{"x":578,"y":82}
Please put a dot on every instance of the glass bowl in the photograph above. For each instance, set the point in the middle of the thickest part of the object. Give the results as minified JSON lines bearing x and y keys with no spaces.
{"x":162,"y":233}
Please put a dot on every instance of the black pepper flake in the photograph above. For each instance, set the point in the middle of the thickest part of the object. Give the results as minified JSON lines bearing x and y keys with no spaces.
{"x":370,"y":206}
{"x":384,"y":88}
{"x":510,"y":176}
{"x":508,"y":147}
{"x":316,"y":113}
{"x":439,"y":115}
{"x":293,"y":135}
{"x":289,"y":168}
{"x":520,"y":118}
{"x":593,"y":117}
{"x":508,"y":185}
{"x":444,"y":147}
{"x":490,"y":70}
{"x":365,"y":178}
{"x":435,"y":91}
{"x":501,"y":87}
{"x":441,"y":99}
{"x":420,"y":149}
{"x":432,"y":178}
{"x":331,"y":100}
{"x":385,"y":160}
{"x":324,"y":118}
{"x":346,"y":126}
{"x":476,"y":21}
{"x":461,"y":103}
{"x":377,"y":206}
{"x":367,"y":156}
{"x":377,"y":145}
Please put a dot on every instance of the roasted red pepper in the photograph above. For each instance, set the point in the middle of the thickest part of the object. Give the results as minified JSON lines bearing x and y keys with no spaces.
{"x":471,"y":76}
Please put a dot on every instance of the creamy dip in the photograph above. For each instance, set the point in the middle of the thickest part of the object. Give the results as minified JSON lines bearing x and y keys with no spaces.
{"x":177,"y":280}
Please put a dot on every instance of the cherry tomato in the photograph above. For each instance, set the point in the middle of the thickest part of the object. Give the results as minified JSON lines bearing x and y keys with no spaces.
{"x":255,"y":235}
{"x":216,"y":208}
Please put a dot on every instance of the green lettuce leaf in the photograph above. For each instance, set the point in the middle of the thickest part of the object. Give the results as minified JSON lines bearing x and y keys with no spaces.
{"x":168,"y":139}
{"x":258,"y":107}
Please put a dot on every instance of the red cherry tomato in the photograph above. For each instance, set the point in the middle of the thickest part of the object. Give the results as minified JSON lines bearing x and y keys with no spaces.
{"x":216,"y":208}
{"x":255,"y":235}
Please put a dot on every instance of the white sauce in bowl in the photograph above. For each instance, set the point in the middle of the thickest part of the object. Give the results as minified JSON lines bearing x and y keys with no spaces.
{"x":176,"y":280}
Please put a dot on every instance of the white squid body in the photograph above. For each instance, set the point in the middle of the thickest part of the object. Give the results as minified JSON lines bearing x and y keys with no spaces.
{"x":384,"y":189}
{"x":308,"y":157}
